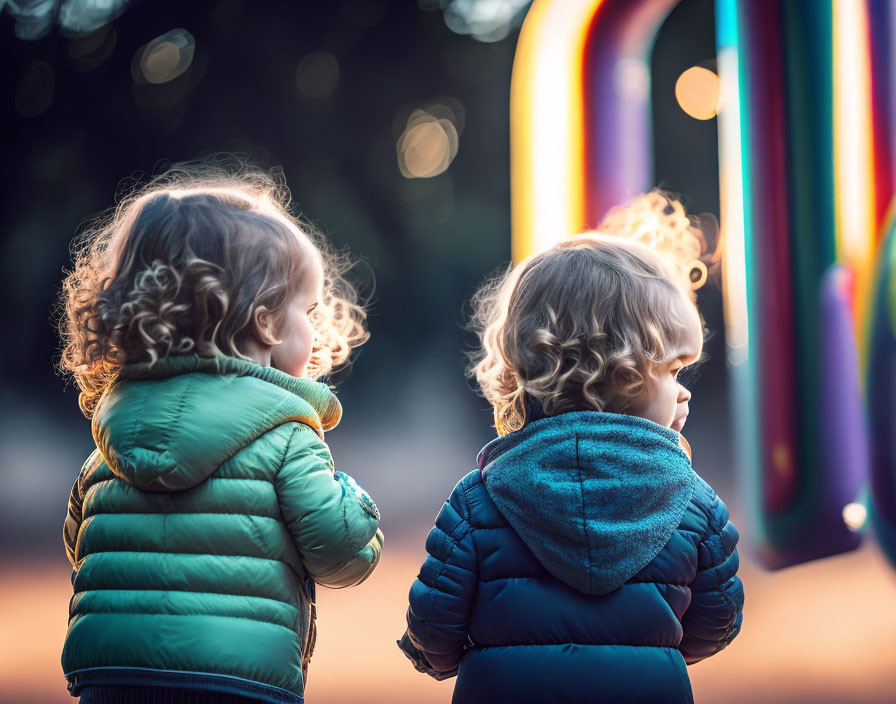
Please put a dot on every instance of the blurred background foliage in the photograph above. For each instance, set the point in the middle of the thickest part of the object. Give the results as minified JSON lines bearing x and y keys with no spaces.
{"x":390,"y":123}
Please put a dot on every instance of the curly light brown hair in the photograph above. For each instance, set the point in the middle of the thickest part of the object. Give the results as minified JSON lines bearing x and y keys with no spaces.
{"x":181,"y":265}
{"x":582,"y":325}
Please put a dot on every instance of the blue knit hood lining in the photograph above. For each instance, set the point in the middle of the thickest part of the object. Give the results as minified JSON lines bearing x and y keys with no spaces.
{"x":594,"y":496}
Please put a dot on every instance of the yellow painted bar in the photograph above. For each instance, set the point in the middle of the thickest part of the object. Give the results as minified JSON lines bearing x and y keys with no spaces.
{"x":854,"y":203}
{"x":547,"y":161}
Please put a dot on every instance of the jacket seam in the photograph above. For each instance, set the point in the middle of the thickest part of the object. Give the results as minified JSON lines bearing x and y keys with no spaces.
{"x":730,"y":606}
{"x":718,"y":556}
{"x":190,"y":591}
{"x":454,"y":542}
{"x":352,"y":545}
{"x":716,"y":527}
{"x":712,"y":523}
{"x":139,"y":413}
{"x":682,"y":672}
{"x":257,"y":534}
{"x":481,"y":528}
{"x":209,"y":478}
{"x":435,"y":588}
{"x":661,"y":582}
{"x":466,"y":506}
{"x":286,"y":450}
{"x":466,"y":516}
{"x":78,"y":494}
{"x":472,"y":529}
{"x":510,"y":579}
{"x":162,"y":613}
{"x":213,"y":478}
{"x":167,"y":552}
{"x":178,"y":413}
{"x":178,"y":513}
{"x":152,"y":672}
{"x":89,"y":469}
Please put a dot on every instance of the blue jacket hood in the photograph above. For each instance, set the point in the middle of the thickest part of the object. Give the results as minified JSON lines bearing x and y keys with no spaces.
{"x":594,"y":496}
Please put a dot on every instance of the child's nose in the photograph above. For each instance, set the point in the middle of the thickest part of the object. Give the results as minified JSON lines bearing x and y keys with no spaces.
{"x":683,"y":394}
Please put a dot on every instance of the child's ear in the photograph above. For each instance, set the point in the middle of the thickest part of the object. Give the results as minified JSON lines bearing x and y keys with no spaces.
{"x":263,"y":326}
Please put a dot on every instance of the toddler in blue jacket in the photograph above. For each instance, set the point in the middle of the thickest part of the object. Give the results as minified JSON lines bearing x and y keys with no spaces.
{"x":584,"y":560}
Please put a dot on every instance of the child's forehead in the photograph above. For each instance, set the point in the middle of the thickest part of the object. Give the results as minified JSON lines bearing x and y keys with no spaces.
{"x":690,"y":345}
{"x":313,"y":265}
{"x":316,"y":278}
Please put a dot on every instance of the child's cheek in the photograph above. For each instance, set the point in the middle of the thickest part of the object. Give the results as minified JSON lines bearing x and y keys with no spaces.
{"x":308,"y":341}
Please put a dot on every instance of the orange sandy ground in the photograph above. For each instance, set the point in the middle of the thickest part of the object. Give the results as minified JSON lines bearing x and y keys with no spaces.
{"x":822,"y":632}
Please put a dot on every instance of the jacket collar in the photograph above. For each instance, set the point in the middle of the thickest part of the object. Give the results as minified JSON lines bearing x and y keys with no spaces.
{"x":317,"y":394}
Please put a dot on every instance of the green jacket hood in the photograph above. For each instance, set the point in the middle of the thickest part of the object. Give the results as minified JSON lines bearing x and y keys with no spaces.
{"x":594,"y":496}
{"x":167,"y":426}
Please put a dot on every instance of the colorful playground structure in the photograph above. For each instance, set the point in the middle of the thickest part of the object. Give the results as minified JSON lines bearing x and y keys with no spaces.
{"x":807,"y":141}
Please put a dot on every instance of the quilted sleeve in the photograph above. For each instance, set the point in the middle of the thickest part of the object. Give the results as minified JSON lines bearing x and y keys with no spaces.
{"x":73,"y":522}
{"x":333,"y":521}
{"x":442,"y":595}
{"x":75,"y":503}
{"x":714,"y":616}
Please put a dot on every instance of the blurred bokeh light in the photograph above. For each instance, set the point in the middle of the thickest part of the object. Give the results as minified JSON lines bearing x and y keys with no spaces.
{"x":697,"y":91}
{"x":429,"y":141}
{"x":166,"y":69}
{"x":855,"y":515}
{"x":318,"y":74}
{"x":164,"y":58}
{"x":484,"y":20}
{"x":35,"y":18}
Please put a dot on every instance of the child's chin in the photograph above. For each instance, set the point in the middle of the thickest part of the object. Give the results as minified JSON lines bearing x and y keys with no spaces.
{"x":291,"y":370}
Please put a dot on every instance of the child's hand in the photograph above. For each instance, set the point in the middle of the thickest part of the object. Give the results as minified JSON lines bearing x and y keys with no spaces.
{"x":421,"y":664}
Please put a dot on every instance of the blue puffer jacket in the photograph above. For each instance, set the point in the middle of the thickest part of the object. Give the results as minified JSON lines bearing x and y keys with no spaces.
{"x":584,"y":561}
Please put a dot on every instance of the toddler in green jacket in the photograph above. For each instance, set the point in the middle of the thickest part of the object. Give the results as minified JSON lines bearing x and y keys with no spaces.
{"x":196,"y":319}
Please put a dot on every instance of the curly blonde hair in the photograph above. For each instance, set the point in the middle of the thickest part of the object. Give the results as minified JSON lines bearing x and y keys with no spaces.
{"x":582,"y":325}
{"x":181,"y":265}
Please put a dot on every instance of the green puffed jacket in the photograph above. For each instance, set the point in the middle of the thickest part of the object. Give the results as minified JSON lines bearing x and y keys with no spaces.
{"x":200,"y":524}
